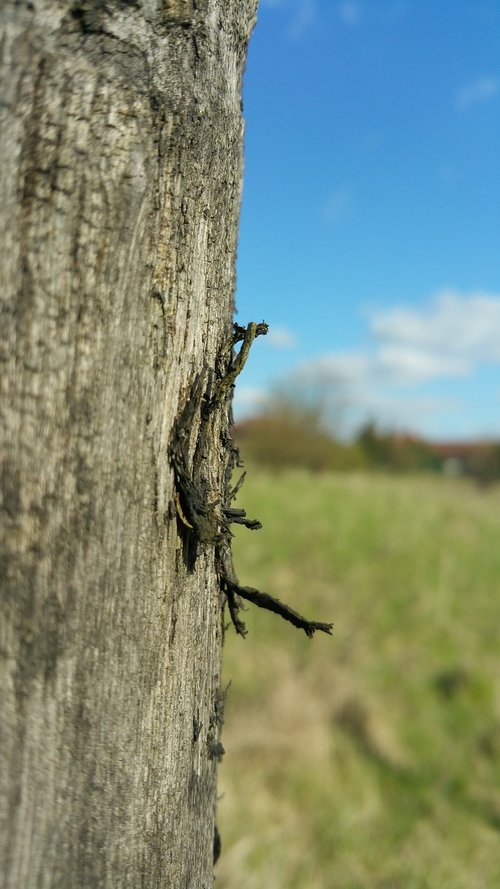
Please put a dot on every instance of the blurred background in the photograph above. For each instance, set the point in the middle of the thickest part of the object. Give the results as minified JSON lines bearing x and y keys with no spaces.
{"x":369,"y":422}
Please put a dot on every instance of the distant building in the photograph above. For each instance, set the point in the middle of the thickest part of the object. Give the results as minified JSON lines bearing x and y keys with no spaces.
{"x":478,"y":458}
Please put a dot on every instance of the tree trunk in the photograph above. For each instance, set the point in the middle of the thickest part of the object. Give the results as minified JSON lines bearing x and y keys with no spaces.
{"x":121,"y":149}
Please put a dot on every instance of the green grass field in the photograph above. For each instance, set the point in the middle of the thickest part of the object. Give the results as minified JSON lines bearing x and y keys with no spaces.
{"x":371,"y":759}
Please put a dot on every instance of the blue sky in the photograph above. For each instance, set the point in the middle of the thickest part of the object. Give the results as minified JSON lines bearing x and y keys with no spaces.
{"x":370,"y":226}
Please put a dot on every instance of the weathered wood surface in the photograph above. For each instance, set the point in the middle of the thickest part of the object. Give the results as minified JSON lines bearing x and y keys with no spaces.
{"x":121,"y":147}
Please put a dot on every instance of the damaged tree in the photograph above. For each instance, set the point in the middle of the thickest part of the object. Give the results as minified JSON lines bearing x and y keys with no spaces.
{"x":121,"y":147}
{"x":120,"y":190}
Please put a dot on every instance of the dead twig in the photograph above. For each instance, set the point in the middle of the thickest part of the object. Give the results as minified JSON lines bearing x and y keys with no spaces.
{"x":270,"y":603}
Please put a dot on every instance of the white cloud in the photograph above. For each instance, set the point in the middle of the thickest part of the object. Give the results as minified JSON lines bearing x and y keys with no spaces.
{"x":477,"y":91}
{"x":455,"y":327}
{"x":342,"y":368}
{"x":355,"y":386}
{"x":248,"y":400}
{"x":407,"y":412}
{"x":453,"y":337}
{"x":408,"y":352}
{"x":386,"y":365}
{"x":301,"y":15}
{"x":338,"y":205}
{"x":447,"y":173}
{"x":350,"y":12}
{"x":429,"y":369}
{"x":281,"y":338}
{"x":402,"y":365}
{"x":304,"y":17}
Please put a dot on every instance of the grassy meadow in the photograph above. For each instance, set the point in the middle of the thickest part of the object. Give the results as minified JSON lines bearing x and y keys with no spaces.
{"x":370,"y":759}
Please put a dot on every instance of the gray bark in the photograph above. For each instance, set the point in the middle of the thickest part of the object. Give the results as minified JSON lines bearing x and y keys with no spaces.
{"x":121,"y":147}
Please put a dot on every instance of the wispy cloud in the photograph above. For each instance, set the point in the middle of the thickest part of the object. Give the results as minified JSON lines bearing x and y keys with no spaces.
{"x":354,"y":387}
{"x":433,"y":369}
{"x":304,"y":16}
{"x":447,"y":173}
{"x":349,"y":12}
{"x":464,"y":327}
{"x":410,"y":355}
{"x":477,"y":91}
{"x":248,"y":400}
{"x":281,"y":338}
{"x":452,"y":337}
{"x":300,"y":15}
{"x":339,"y":205}
{"x":403,"y":365}
{"x":396,"y":366}
{"x":404,"y":412}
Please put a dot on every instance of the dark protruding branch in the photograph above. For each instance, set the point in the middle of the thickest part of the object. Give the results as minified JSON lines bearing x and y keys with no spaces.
{"x":264,"y":600}
{"x":239,"y":517}
{"x":234,"y":607}
{"x":232,"y":493}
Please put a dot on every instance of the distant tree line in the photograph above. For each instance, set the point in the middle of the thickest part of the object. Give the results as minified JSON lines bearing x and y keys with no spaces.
{"x":292,"y":433}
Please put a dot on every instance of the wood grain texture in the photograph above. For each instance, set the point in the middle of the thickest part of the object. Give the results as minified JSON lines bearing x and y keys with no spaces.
{"x":121,"y":146}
